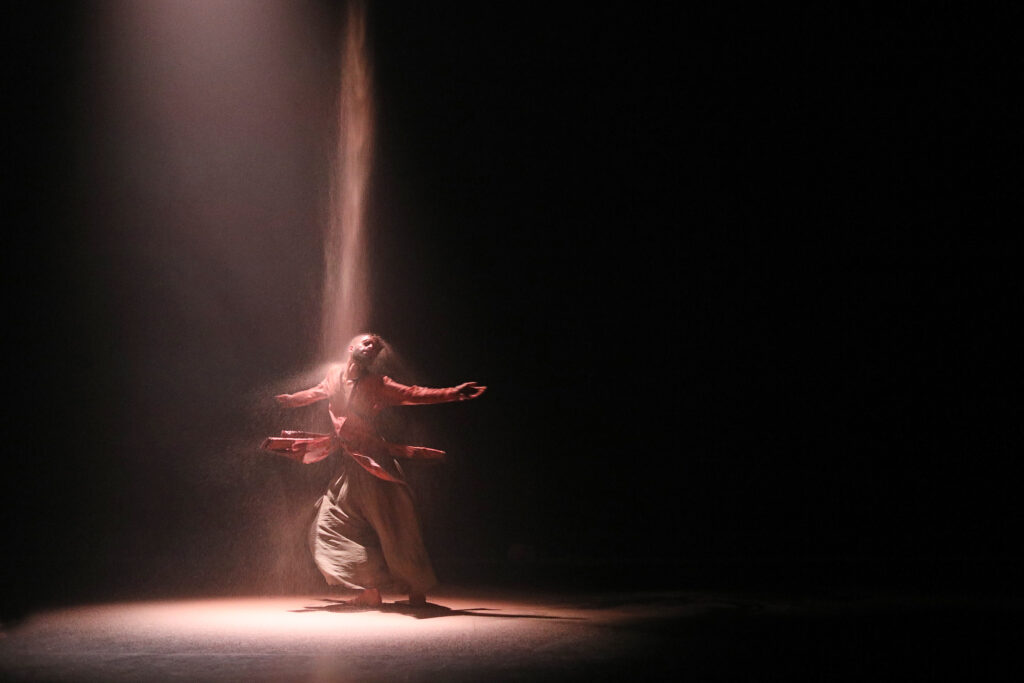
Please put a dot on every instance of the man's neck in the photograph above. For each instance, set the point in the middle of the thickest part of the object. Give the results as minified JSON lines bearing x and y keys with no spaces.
{"x":355,"y":370}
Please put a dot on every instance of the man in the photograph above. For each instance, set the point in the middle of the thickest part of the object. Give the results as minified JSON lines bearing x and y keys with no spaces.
{"x":366,"y":535}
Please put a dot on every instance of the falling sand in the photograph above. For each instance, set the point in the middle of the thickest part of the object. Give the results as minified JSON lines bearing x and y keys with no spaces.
{"x":346,"y":294}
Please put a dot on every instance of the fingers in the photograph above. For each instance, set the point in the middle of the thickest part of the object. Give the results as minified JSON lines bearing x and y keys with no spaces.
{"x":471,"y":390}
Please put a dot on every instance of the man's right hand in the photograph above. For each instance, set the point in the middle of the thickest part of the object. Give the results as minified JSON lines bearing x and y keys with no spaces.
{"x":468,"y":390}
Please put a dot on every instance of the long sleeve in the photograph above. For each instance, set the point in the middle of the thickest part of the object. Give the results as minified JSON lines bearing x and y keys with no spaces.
{"x":394,"y":393}
{"x":307,"y":396}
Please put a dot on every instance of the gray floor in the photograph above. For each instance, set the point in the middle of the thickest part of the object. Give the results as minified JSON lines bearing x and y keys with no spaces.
{"x":488,"y":635}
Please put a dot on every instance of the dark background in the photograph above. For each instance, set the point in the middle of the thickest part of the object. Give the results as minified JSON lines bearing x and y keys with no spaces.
{"x":732,"y":278}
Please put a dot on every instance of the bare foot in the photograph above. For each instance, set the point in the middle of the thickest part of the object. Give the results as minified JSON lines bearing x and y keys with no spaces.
{"x":368,"y":597}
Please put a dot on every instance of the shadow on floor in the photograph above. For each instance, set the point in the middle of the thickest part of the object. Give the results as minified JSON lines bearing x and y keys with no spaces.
{"x":428,"y":611}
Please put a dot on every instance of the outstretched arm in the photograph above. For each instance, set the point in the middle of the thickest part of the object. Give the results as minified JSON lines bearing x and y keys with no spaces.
{"x":402,"y":395}
{"x":303,"y":398}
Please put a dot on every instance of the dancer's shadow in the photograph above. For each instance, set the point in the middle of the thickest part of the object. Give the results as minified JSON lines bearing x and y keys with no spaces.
{"x":429,"y":610}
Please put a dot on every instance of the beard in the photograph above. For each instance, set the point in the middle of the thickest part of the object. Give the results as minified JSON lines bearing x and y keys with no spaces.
{"x":364,"y":358}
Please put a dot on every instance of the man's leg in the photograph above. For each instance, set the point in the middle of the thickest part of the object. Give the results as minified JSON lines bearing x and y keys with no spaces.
{"x":394,"y":519}
{"x":368,"y":597}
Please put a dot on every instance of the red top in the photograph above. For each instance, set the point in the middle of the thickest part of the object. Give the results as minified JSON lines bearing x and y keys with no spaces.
{"x":353,"y":404}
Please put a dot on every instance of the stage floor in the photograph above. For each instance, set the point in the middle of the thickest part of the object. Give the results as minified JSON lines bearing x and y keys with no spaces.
{"x":504,"y":634}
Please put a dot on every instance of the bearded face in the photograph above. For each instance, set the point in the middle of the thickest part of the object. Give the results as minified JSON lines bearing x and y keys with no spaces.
{"x":365,"y":348}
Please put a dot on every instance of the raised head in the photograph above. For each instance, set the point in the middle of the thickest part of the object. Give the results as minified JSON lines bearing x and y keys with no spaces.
{"x":365,"y":348}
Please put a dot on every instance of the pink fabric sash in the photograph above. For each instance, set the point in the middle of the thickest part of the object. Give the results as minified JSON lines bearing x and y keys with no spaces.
{"x":311,"y":447}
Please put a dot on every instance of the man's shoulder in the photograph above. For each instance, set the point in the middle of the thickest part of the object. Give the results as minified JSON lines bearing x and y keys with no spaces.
{"x":332,"y":375}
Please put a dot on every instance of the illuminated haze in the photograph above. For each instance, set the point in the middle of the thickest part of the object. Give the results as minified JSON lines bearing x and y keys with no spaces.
{"x":206,"y":132}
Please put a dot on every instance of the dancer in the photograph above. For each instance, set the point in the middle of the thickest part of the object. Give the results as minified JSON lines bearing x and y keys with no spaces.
{"x":365,"y":535}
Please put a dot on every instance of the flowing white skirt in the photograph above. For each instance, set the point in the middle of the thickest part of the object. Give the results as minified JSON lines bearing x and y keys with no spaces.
{"x":366,"y":535}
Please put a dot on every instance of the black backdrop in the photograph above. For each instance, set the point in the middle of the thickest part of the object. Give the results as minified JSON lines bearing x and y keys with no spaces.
{"x":732,"y":278}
